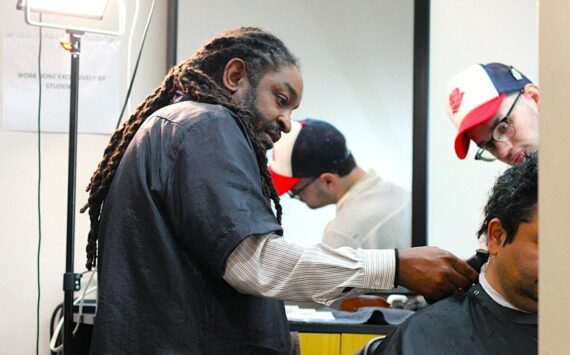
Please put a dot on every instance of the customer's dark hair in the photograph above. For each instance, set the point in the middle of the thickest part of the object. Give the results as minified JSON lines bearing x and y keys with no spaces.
{"x":514,"y":198}
{"x":198,"y":78}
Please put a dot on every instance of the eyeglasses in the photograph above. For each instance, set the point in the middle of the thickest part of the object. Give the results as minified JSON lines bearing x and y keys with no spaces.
{"x":294,"y":193}
{"x":503,"y":131}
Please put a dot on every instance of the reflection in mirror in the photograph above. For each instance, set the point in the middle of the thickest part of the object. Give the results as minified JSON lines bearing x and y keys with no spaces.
{"x":357,"y":65}
{"x":464,"y":34}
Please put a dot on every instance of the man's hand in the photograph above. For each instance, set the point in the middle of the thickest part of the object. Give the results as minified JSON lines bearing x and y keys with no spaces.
{"x":433,"y":272}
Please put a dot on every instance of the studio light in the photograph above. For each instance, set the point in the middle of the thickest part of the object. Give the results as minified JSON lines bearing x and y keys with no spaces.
{"x":85,"y":9}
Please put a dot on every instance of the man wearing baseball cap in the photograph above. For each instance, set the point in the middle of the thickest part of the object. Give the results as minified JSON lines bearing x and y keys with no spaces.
{"x":314,"y":164}
{"x":495,"y":106}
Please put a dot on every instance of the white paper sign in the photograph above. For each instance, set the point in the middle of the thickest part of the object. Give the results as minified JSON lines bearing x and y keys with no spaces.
{"x":98,"y":84}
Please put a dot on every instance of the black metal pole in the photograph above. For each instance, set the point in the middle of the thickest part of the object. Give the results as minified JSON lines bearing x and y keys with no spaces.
{"x":171,"y":34}
{"x":71,"y":281}
{"x":420,"y":148}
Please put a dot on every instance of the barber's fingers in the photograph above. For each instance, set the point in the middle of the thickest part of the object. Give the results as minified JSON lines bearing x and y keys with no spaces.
{"x":467,"y":271}
{"x":433,"y":272}
{"x":461,"y":275}
{"x":456,"y":274}
{"x":456,"y":281}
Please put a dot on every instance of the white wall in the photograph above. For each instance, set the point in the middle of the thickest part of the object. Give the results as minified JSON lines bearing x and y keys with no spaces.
{"x":463,"y":33}
{"x":18,"y":189}
{"x":357,"y":69}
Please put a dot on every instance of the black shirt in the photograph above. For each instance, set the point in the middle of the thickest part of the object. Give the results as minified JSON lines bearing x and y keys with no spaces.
{"x":465,"y":323}
{"x":186,"y":193}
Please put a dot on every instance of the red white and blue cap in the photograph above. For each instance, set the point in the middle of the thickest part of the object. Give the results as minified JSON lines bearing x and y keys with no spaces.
{"x":475,"y":95}
{"x":311,"y":148}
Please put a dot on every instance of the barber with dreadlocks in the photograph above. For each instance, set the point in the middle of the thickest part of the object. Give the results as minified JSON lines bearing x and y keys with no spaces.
{"x":191,"y":258}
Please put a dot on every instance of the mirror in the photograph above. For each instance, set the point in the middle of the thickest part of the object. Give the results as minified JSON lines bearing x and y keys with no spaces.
{"x":357,"y":64}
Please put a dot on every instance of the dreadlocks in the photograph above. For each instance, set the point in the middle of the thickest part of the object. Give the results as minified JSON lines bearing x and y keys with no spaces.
{"x":200,"y":79}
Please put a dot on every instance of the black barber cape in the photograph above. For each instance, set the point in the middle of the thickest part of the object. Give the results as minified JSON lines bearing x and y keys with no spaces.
{"x":186,"y":193}
{"x":465,"y":323}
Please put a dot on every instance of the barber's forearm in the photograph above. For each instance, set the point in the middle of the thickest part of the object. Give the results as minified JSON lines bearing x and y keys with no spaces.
{"x":270,"y":266}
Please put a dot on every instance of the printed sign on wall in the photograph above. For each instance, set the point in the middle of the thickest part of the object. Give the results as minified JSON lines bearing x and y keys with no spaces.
{"x":98,"y":83}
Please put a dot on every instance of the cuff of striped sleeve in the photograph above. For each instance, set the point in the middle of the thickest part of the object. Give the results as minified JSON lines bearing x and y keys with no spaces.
{"x":379,"y":268}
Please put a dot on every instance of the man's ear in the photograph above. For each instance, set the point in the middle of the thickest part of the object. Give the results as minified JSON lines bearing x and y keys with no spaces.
{"x":532,"y":91}
{"x":235,"y":75}
{"x":329,"y":180}
{"x":496,"y":236}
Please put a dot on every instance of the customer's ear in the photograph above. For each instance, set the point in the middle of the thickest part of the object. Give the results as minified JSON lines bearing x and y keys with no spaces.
{"x":496,"y":236}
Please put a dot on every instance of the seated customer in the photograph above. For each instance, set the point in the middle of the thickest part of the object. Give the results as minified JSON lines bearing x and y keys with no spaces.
{"x":499,"y":315}
{"x":313,"y":163}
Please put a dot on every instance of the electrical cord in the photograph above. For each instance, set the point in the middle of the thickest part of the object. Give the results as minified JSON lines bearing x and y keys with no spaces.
{"x":80,"y":300}
{"x":39,"y":191}
{"x":56,"y":312}
{"x":54,"y":338}
{"x":143,"y":40}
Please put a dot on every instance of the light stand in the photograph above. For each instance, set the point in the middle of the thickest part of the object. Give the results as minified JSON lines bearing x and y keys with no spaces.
{"x":71,"y":280}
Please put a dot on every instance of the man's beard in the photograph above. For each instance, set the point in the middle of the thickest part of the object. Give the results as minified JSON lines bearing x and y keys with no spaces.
{"x":249,"y":104}
{"x":260,"y":128}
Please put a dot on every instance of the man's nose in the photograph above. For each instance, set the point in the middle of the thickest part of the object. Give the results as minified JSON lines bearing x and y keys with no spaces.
{"x":284,"y":121}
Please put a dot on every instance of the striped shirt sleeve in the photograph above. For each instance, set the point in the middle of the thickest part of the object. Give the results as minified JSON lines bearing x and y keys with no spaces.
{"x":269,"y":266}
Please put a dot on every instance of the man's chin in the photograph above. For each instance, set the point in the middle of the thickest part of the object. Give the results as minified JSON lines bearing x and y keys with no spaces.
{"x":267,"y":144}
{"x":266,"y":141}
